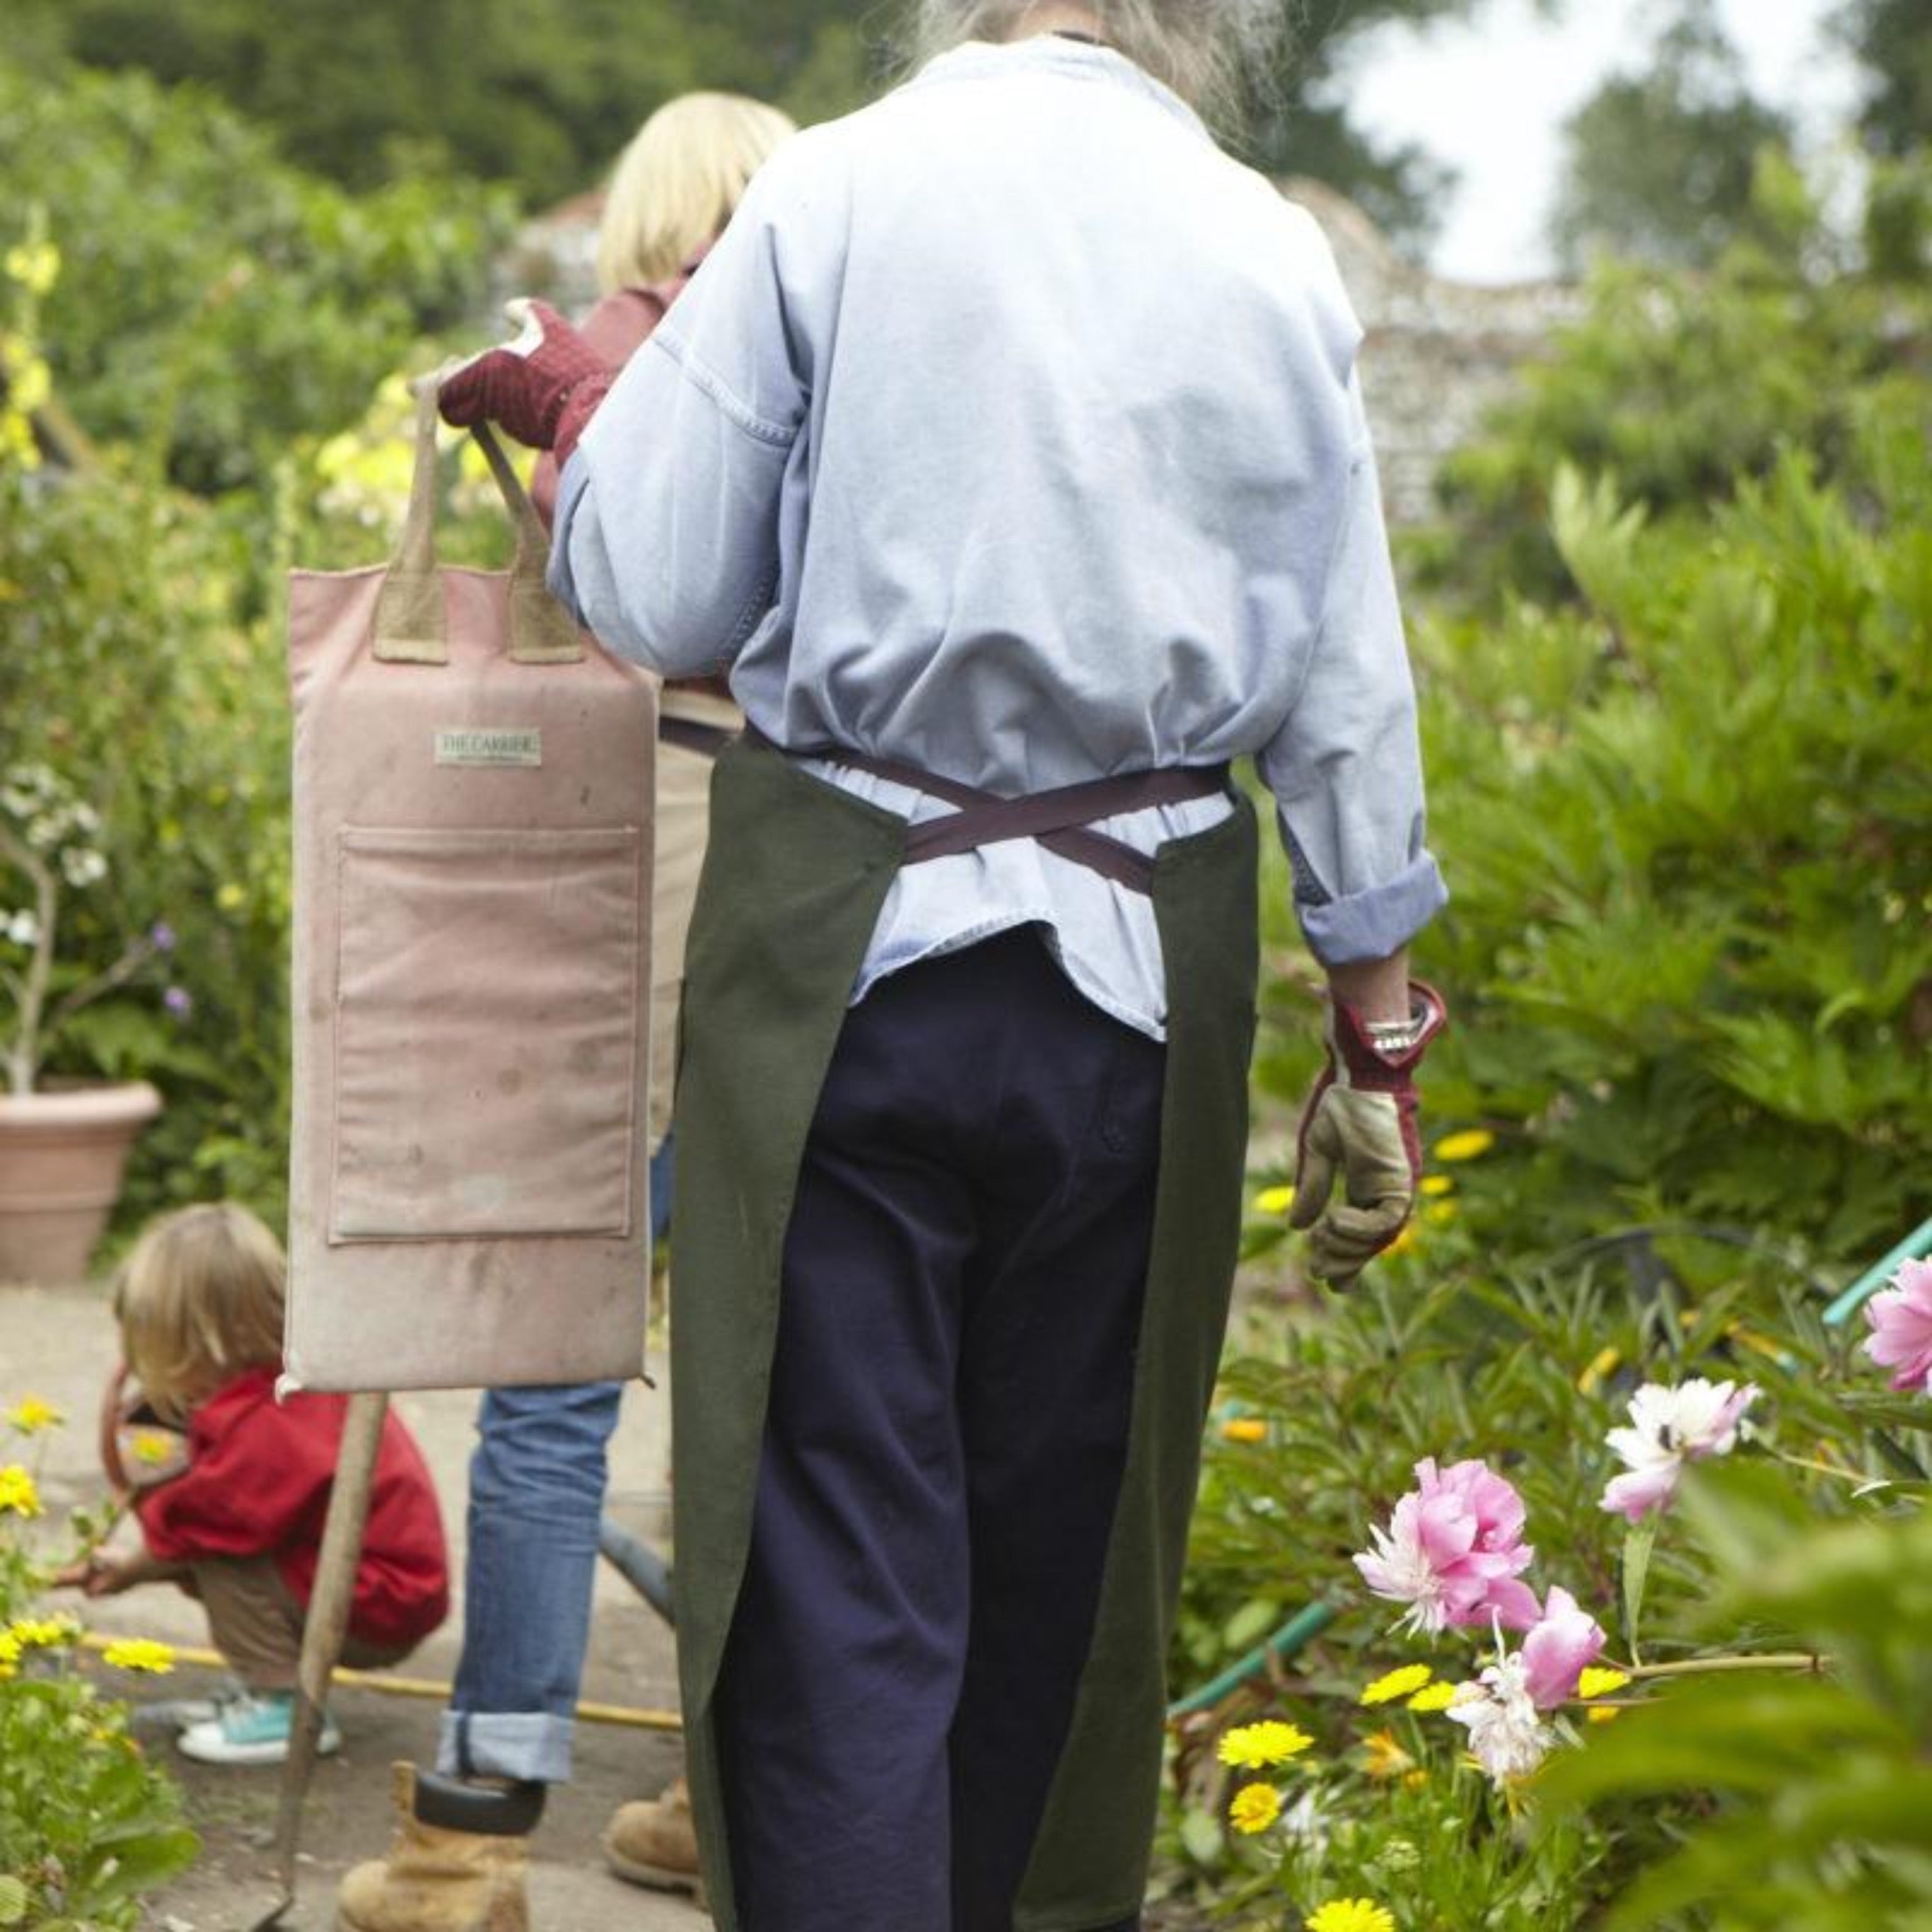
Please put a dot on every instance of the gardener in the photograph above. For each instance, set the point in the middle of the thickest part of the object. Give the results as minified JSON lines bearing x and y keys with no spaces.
{"x":1009,"y":441}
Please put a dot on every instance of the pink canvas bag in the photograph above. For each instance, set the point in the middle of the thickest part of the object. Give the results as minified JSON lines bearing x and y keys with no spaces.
{"x":473,"y":791}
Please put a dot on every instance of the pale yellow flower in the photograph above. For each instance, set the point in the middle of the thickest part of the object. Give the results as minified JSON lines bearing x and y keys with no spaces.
{"x":1602,"y":1364}
{"x":230,"y":898}
{"x":1439,"y":1214}
{"x":1433,"y":1697}
{"x":18,"y":1497}
{"x":1402,"y":1682}
{"x":35,"y":266}
{"x":1256,"y":1748}
{"x":1598,"y":1680}
{"x":1275,"y":1200}
{"x":30,"y":1416}
{"x":1434,"y":1185}
{"x":1349,"y":1915}
{"x":1254,"y":1808}
{"x":1384,"y":1757}
{"x":1471,"y":1144}
{"x":141,"y":1654}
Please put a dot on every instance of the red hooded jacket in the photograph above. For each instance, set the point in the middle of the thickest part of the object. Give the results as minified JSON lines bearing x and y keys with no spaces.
{"x":257,"y":1484}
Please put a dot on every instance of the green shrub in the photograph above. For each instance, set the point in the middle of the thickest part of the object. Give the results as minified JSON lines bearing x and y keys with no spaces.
{"x":218,"y":304}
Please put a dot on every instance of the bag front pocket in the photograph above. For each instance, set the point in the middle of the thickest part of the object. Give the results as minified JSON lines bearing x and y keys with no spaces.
{"x":488,"y":1035}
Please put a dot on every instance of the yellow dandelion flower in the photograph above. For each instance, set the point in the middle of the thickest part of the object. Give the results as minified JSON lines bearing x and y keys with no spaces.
{"x":1275,"y":1200}
{"x":230,"y":898}
{"x":43,"y":1632}
{"x":1598,"y":1680}
{"x":1603,"y":1713}
{"x":1603,"y":1364}
{"x":1404,"y":1241}
{"x":1414,"y":1780}
{"x":1383,"y":1757}
{"x":1400,"y":1682}
{"x":1350,"y":1915}
{"x":1244,"y":1428}
{"x":18,"y":1497}
{"x":1471,"y":1145}
{"x":1434,"y":1185}
{"x":31,"y":1415}
{"x":154,"y":1447}
{"x":1256,"y":1748}
{"x":1433,"y":1697}
{"x":141,"y":1654}
{"x":1254,"y":1808}
{"x":1439,"y":1214}
{"x":10,"y":1649}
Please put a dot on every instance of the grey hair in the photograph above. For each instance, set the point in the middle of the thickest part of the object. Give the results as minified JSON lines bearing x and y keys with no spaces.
{"x":1219,"y":56}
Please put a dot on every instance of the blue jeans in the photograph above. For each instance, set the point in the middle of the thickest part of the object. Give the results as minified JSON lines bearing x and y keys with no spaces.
{"x":537,"y":1495}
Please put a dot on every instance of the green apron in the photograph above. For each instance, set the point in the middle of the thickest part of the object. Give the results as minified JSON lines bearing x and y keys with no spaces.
{"x":794,"y":881}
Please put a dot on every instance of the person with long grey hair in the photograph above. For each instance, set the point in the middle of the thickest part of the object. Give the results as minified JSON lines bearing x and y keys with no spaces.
{"x":1008,"y":453}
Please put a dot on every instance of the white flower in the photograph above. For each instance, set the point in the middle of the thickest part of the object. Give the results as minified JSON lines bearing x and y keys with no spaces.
{"x":22,"y":928}
{"x":82,"y":868}
{"x":1506,"y":1735}
{"x":1668,"y":1428}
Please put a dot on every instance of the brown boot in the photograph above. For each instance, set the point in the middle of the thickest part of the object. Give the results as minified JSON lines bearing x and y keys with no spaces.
{"x":436,"y":1880}
{"x":655,"y":1843}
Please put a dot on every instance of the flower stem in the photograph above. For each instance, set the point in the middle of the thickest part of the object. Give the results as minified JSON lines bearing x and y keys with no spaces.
{"x":1811,"y":1660}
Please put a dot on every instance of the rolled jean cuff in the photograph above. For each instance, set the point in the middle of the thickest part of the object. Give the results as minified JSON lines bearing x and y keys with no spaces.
{"x":533,"y":1746}
{"x":1372,"y":924}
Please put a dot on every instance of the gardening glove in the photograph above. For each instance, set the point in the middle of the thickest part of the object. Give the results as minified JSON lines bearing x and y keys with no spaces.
{"x":1361,"y":1119}
{"x":542,"y":389}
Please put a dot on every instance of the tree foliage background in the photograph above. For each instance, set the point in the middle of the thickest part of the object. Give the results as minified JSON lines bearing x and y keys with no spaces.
{"x":543,"y":94}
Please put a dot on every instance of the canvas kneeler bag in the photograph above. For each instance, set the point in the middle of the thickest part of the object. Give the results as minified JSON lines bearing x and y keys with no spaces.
{"x":473,"y":805}
{"x":780,"y":929}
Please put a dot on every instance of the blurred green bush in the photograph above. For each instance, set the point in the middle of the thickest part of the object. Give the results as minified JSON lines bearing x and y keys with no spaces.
{"x":218,"y":304}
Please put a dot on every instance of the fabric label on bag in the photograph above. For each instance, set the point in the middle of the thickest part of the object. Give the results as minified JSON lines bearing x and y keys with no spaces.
{"x":514,"y":748}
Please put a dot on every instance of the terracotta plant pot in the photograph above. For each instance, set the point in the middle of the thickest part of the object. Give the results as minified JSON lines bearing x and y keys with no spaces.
{"x":61,"y":1156}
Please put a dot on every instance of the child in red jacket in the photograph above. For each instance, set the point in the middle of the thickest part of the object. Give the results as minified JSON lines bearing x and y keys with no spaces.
{"x":239,"y":1523}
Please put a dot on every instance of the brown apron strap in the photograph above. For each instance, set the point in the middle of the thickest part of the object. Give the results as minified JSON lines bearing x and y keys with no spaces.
{"x":1061,"y":819}
{"x":690,"y":734}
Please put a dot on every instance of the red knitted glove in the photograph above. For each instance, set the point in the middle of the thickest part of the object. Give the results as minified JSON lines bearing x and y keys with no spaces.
{"x":1361,"y":1119}
{"x":542,"y":389}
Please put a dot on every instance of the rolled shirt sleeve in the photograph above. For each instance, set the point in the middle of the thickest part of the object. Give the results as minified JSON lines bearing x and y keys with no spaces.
{"x":1345,"y":768}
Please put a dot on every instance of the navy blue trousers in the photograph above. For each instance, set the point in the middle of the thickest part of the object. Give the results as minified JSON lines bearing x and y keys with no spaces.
{"x":963,"y":1280}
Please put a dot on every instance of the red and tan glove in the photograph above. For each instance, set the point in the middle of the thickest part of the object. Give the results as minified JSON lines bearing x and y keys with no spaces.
{"x":1360,"y":1122}
{"x":542,"y":389}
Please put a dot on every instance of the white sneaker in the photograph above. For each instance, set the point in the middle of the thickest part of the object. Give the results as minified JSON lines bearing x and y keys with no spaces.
{"x":174,"y":1715}
{"x":253,"y":1728}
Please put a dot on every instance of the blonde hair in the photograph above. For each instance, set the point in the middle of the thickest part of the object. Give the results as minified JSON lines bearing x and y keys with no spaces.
{"x":679,"y":181}
{"x":200,"y":1301}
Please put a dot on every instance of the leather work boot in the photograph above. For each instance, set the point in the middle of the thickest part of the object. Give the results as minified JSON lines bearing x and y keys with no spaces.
{"x":654,"y":1842}
{"x":440,"y":1879}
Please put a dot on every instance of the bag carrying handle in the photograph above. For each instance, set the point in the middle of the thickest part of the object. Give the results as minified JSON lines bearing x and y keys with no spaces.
{"x":411,"y":625}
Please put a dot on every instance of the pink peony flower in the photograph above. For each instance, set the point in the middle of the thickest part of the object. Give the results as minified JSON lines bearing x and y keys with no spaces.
{"x":1668,"y":1428}
{"x":1453,"y":1551}
{"x":1555,"y":1652}
{"x":1901,"y":1319}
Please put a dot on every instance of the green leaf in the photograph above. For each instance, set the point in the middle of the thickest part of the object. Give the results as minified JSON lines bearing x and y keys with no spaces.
{"x":1202,"y":1834}
{"x":1639,"y":1540}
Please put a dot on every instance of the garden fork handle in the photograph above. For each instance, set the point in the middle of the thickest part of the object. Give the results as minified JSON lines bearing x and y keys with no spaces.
{"x":328,"y":1620}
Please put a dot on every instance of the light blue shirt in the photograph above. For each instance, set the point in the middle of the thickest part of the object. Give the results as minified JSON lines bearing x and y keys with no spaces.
{"x":1011,"y":430}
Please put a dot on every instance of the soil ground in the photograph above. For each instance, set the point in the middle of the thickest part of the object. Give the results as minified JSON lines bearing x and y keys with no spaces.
{"x":59,"y":1344}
